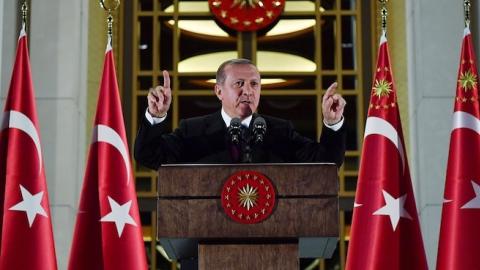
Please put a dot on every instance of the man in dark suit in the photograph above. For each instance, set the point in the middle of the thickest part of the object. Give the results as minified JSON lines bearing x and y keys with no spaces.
{"x":207,"y":139}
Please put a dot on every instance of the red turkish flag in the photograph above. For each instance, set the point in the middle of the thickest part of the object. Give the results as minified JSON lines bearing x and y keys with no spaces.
{"x":385,"y":230}
{"x":26,"y":229}
{"x":108,"y":233}
{"x":459,"y":232}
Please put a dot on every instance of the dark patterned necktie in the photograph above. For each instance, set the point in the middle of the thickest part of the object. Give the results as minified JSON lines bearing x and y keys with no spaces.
{"x":235,"y":152}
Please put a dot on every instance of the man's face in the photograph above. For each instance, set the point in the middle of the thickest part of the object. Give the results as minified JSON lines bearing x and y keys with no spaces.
{"x":240,"y":93}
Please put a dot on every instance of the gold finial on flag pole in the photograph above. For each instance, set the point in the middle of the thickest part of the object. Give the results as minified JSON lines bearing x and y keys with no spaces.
{"x":466,"y":8}
{"x":111,"y":5}
{"x":384,"y":13}
{"x":24,"y":12}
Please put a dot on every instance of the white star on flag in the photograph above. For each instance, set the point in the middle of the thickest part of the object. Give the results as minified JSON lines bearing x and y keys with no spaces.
{"x":475,"y":202}
{"x":31,"y":205}
{"x":395,"y":208}
{"x":119,"y":215}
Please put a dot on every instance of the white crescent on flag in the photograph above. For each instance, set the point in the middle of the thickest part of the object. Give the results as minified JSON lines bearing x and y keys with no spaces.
{"x":465,"y":120}
{"x":103,"y":133}
{"x":380,"y":126}
{"x":18,"y":120}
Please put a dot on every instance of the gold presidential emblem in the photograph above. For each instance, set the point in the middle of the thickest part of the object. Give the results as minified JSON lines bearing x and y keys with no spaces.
{"x":467,"y":80}
{"x":382,"y":88}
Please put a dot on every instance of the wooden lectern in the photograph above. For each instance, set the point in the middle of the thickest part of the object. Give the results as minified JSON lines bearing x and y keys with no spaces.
{"x":192,"y":222}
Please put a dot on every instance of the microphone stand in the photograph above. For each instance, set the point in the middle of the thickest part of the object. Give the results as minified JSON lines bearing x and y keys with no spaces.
{"x":247,"y":139}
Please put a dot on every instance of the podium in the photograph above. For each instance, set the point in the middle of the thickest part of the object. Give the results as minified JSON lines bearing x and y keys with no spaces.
{"x":304,"y":223}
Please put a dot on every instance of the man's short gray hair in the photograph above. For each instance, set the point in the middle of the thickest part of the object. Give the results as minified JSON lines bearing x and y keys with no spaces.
{"x":220,"y":78}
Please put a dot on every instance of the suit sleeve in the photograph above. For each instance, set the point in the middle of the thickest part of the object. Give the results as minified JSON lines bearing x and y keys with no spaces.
{"x":334,"y":143}
{"x":154,"y":146}
{"x":331,"y":147}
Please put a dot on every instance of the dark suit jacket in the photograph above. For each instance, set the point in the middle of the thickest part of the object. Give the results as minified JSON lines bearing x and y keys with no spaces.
{"x":204,"y":139}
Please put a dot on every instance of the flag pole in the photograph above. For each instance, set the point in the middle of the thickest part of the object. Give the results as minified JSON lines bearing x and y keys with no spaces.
{"x":466,"y":8}
{"x":109,"y":9}
{"x":24,"y":12}
{"x":384,"y":13}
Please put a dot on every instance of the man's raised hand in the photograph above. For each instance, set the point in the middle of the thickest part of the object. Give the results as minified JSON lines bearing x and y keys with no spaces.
{"x":160,"y":97}
{"x":332,"y":105}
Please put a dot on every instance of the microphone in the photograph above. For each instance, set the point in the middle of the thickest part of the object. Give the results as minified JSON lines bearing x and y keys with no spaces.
{"x":234,"y":130}
{"x":259,"y":129}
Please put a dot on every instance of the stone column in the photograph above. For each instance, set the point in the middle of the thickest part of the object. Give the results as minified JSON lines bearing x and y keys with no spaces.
{"x":58,"y":56}
{"x":434,"y":44}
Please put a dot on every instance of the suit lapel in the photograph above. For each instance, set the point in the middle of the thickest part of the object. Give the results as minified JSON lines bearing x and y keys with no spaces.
{"x":216,"y":134}
{"x":214,"y":124}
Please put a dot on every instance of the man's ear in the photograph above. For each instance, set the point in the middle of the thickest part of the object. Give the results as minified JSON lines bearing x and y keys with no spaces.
{"x":218,"y":91}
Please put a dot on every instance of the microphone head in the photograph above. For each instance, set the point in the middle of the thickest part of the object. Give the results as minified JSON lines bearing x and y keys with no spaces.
{"x":259,"y":129}
{"x":259,"y":122}
{"x":235,"y":122}
{"x":234,"y":130}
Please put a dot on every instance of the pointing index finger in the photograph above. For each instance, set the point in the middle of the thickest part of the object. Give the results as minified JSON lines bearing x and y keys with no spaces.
{"x":330,"y":91}
{"x":166,"y":79}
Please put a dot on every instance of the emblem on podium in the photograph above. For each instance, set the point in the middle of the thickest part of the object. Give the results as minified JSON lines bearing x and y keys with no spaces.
{"x":248,"y":197}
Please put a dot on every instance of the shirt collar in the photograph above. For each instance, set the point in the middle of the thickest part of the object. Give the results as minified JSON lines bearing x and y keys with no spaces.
{"x":227,"y":119}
